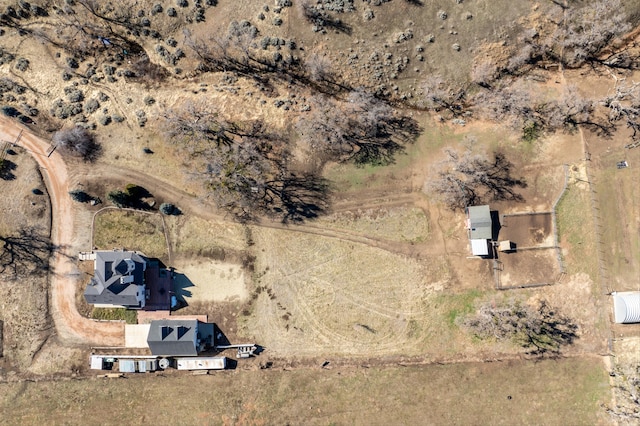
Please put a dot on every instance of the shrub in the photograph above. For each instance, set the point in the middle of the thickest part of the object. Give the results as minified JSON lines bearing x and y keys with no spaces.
{"x":72,"y":63}
{"x":169,"y":209}
{"x":104,"y":120}
{"x":135,"y":192}
{"x":171,"y":42}
{"x":10,"y":111}
{"x":91,"y":106}
{"x":149,"y":100}
{"x":442,"y":14}
{"x":78,"y":142}
{"x":80,"y":196}
{"x":157,"y":8}
{"x":182,"y":3}
{"x":117,"y":118}
{"x":66,"y":76}
{"x":118,"y":198}
{"x":142,"y":118}
{"x":22,"y":64}
{"x":103,"y":97}
{"x":172,"y":12}
{"x":73,"y":94}
{"x":108,"y":69}
{"x":277,"y":21}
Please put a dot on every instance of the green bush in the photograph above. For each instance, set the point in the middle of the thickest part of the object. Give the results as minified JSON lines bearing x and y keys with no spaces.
{"x":119,"y":198}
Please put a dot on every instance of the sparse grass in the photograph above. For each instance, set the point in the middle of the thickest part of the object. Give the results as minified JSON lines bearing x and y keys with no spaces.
{"x":393,"y":224}
{"x":618,"y":193}
{"x":131,"y":230}
{"x":576,"y":231}
{"x":459,"y":305}
{"x":128,"y":315}
{"x":562,"y":391}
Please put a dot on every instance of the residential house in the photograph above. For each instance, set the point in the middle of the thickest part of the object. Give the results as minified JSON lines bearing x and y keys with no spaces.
{"x":118,"y":280}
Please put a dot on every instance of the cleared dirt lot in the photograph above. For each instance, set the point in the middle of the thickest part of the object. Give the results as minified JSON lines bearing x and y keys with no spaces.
{"x":527,"y":230}
{"x":207,"y":280}
{"x":527,"y":267}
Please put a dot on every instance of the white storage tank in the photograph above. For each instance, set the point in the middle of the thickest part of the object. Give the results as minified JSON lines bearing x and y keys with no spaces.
{"x":626,"y":307}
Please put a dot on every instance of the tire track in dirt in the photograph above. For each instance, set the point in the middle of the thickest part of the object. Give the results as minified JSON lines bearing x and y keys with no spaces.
{"x":70,"y":325}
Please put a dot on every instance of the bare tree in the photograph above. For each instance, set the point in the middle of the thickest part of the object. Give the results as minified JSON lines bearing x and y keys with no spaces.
{"x":244,"y":167}
{"x":624,"y":105}
{"x":536,"y":326}
{"x":78,"y":142}
{"x":589,"y":29}
{"x":626,"y":388}
{"x":471,"y":179}
{"x":442,"y":95}
{"x":363,"y":129}
{"x":522,"y":108}
{"x":319,"y":68}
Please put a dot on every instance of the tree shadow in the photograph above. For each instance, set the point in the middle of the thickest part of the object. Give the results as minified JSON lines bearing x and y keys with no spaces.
{"x":379,"y":145}
{"x":27,"y":253}
{"x":6,"y":169}
{"x":322,"y":19}
{"x":499,"y":182}
{"x":549,"y":333}
{"x":299,"y":198}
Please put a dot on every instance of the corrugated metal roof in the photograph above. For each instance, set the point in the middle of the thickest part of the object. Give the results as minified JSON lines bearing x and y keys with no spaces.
{"x":479,"y":247}
{"x":127,"y":366}
{"x":173,"y":337}
{"x":479,"y":222}
{"x":626,"y":307}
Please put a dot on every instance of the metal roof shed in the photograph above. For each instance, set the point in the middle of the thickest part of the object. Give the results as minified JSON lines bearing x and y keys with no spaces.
{"x":479,"y":222}
{"x":626,"y":307}
{"x":479,"y":248}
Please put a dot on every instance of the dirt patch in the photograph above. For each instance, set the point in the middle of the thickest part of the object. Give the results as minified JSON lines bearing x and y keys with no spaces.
{"x":206,"y":280}
{"x":527,"y":230}
{"x":528,"y":267}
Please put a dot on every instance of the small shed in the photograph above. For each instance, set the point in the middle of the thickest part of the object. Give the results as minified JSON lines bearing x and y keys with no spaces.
{"x":626,"y":307}
{"x":506,"y":246}
{"x":479,"y":226}
{"x":97,"y":362}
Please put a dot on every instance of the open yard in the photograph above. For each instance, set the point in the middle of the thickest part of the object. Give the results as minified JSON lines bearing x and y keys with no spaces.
{"x":138,"y":231}
{"x":555,"y":392}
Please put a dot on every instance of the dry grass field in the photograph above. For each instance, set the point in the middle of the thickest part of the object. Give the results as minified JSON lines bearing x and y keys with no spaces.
{"x":555,"y":392}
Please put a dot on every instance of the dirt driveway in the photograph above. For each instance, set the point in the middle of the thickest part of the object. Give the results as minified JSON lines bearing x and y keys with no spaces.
{"x":70,"y":325}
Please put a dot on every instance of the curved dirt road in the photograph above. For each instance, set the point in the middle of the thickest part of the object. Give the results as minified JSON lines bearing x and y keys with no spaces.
{"x":70,"y":325}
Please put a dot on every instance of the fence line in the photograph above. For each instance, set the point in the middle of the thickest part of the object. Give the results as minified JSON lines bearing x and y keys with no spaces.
{"x":554,"y":219}
{"x":596,"y":223}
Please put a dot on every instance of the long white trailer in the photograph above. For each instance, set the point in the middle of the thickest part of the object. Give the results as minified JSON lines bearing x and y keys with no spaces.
{"x":201,"y":363}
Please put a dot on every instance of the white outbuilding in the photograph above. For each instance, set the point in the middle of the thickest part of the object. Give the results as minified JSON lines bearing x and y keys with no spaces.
{"x":626,"y":307}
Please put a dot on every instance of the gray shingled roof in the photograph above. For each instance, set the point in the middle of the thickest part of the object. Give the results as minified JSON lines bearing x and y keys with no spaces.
{"x":106,"y":287}
{"x":173,"y":337}
{"x":479,"y":223}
